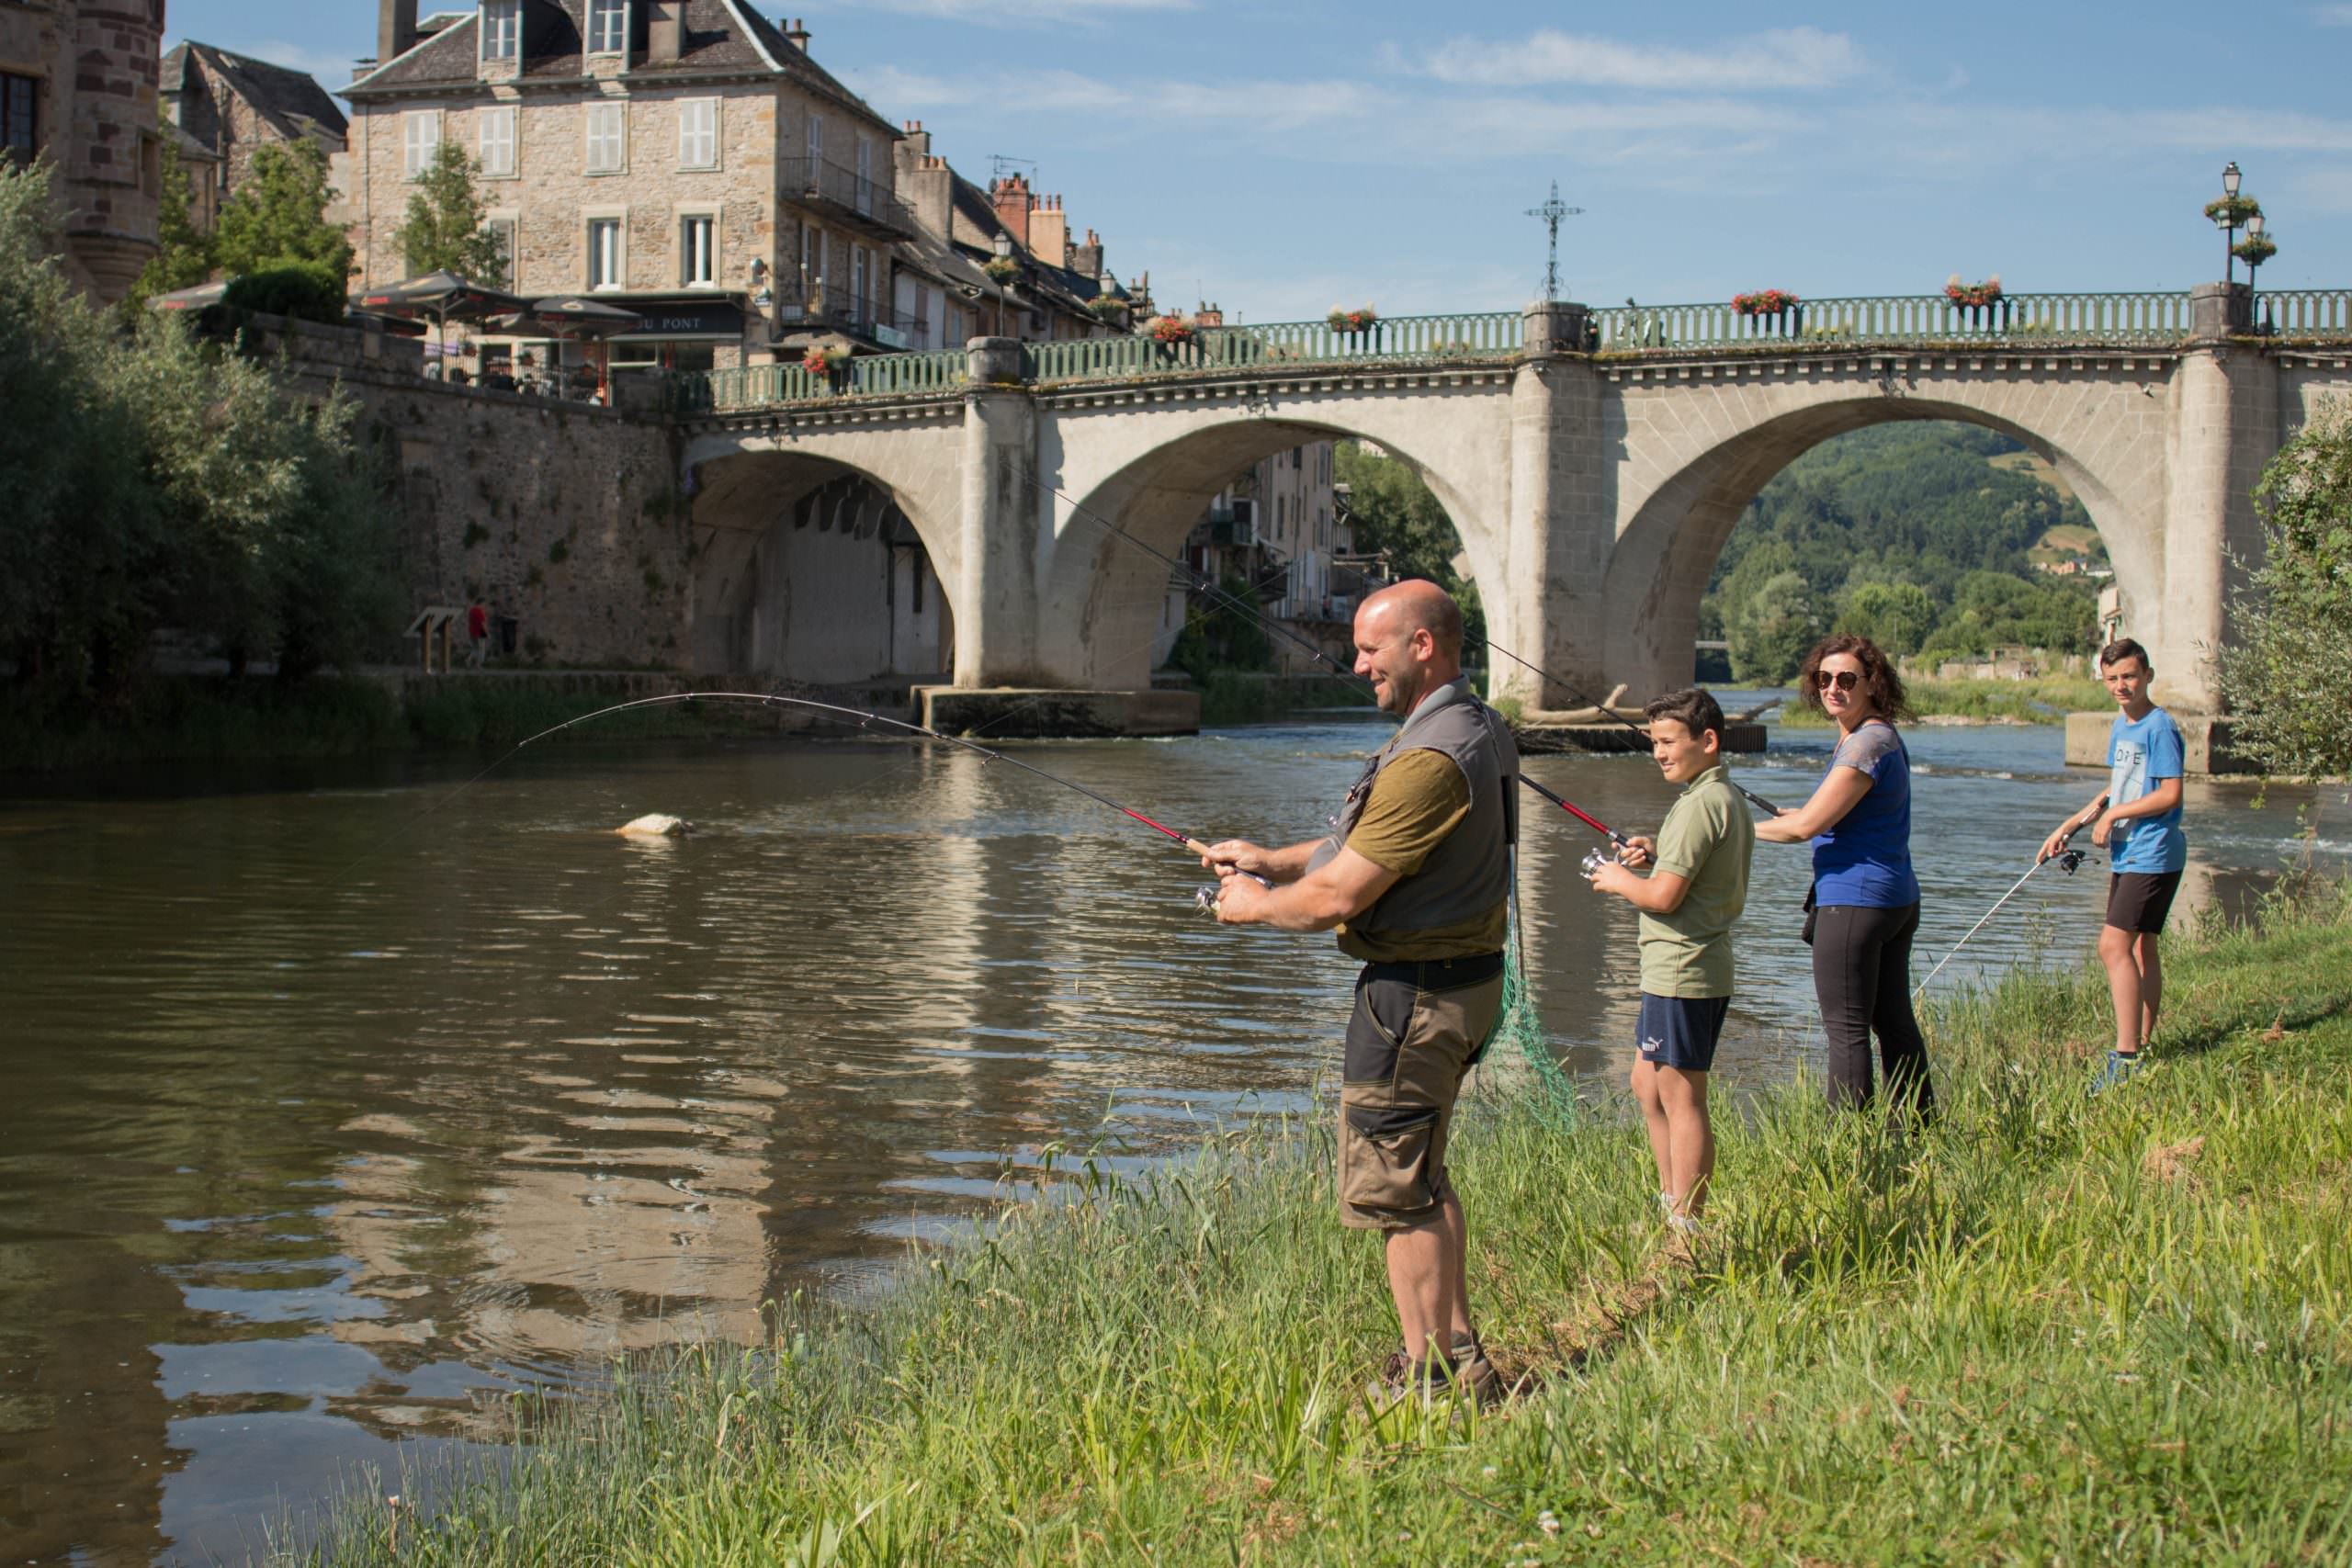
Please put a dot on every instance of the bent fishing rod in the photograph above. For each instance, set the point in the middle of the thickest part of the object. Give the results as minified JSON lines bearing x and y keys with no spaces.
{"x":864,"y":720}
{"x":2065,"y":860}
{"x":1224,"y":598}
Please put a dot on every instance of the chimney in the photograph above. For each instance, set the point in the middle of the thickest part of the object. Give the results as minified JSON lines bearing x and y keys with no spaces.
{"x":1086,"y":260}
{"x":1050,"y":232}
{"x":917,"y":140}
{"x":395,"y":28}
{"x":797,"y":35}
{"x":928,"y":187}
{"x":665,"y":31}
{"x":1209,"y":316}
{"x":1010,"y":197}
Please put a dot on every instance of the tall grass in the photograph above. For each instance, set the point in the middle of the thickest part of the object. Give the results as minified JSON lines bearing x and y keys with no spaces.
{"x":2045,"y":700}
{"x":2048,"y":1329}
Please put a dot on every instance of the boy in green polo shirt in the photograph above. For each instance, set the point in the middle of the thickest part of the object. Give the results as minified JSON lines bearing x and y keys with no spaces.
{"x":1697,"y":887}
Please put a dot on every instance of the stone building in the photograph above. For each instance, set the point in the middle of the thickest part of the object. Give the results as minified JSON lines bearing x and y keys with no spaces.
{"x":1277,"y":531}
{"x":683,"y":159}
{"x":234,"y":106}
{"x":78,"y":88}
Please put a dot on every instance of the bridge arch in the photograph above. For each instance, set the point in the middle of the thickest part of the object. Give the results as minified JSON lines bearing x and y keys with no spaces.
{"x":1152,"y":475}
{"x":817,"y":560}
{"x":1685,"y":487}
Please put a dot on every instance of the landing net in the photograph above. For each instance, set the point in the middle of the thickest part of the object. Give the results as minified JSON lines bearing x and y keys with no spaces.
{"x":1518,"y":1037}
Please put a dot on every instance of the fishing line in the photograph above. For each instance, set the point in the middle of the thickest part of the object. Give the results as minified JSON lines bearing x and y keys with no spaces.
{"x":1202,"y":582}
{"x":2067,"y":860}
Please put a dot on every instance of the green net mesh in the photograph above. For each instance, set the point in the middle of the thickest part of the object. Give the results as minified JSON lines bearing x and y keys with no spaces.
{"x":1517,"y":1053}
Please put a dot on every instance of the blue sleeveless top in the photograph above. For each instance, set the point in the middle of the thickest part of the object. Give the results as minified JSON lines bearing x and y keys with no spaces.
{"x":1865,"y":860}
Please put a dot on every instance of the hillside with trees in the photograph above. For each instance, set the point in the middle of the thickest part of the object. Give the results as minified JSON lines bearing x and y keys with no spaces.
{"x":1923,"y":537}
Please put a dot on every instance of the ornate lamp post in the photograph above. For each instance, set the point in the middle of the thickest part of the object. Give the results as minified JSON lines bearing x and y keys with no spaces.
{"x":2230,"y":215}
{"x":1004,"y":259}
{"x":2254,"y":250}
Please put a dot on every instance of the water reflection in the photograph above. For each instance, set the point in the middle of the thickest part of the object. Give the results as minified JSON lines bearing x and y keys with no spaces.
{"x":333,"y":1107}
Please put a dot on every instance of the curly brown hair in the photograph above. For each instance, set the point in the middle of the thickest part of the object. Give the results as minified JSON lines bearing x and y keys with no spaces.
{"x":1880,"y":684}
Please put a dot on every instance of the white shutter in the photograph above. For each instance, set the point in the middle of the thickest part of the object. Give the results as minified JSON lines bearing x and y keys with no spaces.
{"x":699,"y":133}
{"x":607,"y":138}
{"x":497,"y":152}
{"x":815,"y":142}
{"x":865,"y":175}
{"x":420,"y":130}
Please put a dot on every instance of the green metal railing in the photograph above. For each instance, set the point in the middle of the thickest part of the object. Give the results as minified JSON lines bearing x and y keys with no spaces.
{"x":2016,"y":321}
{"x":2304,"y":312}
{"x":1491,"y":335}
{"x":1902,"y":321}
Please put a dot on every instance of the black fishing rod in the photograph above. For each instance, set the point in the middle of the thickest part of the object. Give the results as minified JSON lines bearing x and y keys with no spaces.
{"x":865,"y":720}
{"x":1219,"y":595}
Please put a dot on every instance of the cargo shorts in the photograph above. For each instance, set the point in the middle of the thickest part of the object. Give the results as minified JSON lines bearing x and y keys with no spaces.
{"x":1417,"y":1030}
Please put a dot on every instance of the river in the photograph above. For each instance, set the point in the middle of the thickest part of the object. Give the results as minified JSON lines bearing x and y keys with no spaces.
{"x":341,"y":1100}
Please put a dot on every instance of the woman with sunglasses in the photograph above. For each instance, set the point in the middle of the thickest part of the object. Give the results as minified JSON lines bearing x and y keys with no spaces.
{"x":1864,"y":908}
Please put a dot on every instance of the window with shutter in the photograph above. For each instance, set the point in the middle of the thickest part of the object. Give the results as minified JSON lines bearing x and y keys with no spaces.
{"x":607,"y":138}
{"x":695,"y":236}
{"x":497,"y":148}
{"x":699,"y":133}
{"x":865,"y":175}
{"x":421,"y":138}
{"x":604,"y":252}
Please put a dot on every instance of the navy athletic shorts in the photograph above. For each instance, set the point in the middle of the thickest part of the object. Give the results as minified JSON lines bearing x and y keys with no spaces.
{"x":1680,"y":1031}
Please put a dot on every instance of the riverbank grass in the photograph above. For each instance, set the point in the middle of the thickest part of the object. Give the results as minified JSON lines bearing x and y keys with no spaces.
{"x":2052,"y":1328}
{"x":2044,"y":700}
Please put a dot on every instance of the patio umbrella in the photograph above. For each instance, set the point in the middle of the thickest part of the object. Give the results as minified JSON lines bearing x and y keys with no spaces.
{"x":569,"y":316}
{"x":440,"y":297}
{"x":203,"y":297}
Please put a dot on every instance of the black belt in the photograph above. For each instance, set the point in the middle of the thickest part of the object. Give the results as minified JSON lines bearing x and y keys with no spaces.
{"x":1439,"y":973}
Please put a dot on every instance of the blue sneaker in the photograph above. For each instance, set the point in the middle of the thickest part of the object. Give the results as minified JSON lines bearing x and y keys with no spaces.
{"x":2116,"y":1071}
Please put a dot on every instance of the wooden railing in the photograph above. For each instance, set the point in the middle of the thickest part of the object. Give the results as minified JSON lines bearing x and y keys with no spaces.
{"x":2016,"y":321}
{"x":1902,"y":321}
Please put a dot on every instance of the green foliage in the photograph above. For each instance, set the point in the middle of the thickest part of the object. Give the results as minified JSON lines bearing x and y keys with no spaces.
{"x":2045,"y":1330}
{"x":184,"y":255}
{"x":1774,"y":627}
{"x":155,"y":482}
{"x":1921,"y":505}
{"x":1218,"y":637}
{"x":1896,"y":616}
{"x":277,"y":217}
{"x":2287,"y":673}
{"x":309,"y":291}
{"x":1396,"y":515}
{"x":445,"y":228}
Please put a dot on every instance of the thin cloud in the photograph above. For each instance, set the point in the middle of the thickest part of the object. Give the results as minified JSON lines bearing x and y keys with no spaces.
{"x":1261,"y":104}
{"x":2334,"y":15}
{"x":1792,"y":58}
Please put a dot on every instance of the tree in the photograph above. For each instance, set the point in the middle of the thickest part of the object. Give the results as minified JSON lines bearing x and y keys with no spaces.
{"x":1773,"y":630}
{"x":1896,"y":616}
{"x":445,"y":228}
{"x":278,"y":215}
{"x":154,"y":480}
{"x":2286,"y":675}
{"x":184,"y":255}
{"x":1395,"y":515}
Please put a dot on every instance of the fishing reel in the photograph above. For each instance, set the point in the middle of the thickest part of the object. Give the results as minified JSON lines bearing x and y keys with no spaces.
{"x":1594,"y":859}
{"x":1205,"y":898}
{"x":2068,"y":859}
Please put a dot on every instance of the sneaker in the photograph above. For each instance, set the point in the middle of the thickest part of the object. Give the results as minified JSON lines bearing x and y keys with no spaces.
{"x":1685,"y":1227}
{"x":2115,"y":1071}
{"x":1666,"y":1202}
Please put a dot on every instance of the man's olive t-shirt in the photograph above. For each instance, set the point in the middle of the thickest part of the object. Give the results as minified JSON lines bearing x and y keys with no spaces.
{"x":1707,"y":840}
{"x":1416,"y":800}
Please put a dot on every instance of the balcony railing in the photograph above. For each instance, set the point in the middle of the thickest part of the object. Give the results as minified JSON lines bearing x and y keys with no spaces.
{"x":839,"y":194}
{"x":2304,"y":312}
{"x":1901,"y":322}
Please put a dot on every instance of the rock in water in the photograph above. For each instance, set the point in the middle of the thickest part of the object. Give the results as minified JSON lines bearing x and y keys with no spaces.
{"x":654,"y":825}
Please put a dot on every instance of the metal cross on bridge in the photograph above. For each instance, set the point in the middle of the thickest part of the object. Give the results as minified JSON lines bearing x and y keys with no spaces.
{"x":1552,"y":213}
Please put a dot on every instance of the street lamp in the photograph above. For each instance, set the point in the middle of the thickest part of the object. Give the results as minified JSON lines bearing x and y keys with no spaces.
{"x":2254,"y":250}
{"x":2230,"y":214}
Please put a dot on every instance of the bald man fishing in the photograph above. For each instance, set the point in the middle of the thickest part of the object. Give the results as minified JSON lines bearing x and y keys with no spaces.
{"x":1416,"y":883}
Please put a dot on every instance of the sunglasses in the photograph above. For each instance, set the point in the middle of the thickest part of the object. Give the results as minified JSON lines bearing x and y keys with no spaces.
{"x":1844,"y":680}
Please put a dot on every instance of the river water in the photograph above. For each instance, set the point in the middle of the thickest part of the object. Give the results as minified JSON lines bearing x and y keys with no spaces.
{"x":340,"y":1101}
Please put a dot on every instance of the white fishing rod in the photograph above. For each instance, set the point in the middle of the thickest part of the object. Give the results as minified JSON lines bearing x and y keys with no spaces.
{"x":2066,"y":861}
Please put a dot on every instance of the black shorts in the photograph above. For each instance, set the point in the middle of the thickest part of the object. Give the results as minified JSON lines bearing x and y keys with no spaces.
{"x":1681,"y":1032}
{"x":2139,"y":900}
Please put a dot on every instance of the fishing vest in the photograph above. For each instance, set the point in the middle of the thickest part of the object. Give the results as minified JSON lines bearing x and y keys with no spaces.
{"x":1469,"y":871}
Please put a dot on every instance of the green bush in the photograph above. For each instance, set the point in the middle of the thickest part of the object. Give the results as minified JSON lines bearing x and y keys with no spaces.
{"x":309,"y":291}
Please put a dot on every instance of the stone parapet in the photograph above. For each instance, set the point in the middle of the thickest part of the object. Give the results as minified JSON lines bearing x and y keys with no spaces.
{"x":1025,"y":712}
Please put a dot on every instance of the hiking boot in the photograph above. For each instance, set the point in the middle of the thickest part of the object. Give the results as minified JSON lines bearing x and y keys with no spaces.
{"x":1475,"y":1374}
{"x":2116,"y":1069}
{"x":1467,"y":1371}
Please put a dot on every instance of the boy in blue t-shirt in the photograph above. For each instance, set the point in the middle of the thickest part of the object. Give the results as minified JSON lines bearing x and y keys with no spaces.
{"x":2138,"y":823}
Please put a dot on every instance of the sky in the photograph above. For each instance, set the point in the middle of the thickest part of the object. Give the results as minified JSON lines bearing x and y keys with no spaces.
{"x":1280,"y":159}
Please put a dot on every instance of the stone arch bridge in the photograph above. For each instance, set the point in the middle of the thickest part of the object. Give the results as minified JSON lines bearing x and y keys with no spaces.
{"x":1593,"y":462}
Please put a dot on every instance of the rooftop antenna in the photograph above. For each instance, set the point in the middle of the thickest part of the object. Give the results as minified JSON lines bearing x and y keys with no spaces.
{"x":1552,"y":213}
{"x":999,"y":162}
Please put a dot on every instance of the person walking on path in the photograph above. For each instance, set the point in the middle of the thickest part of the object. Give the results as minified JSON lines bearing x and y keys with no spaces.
{"x":1696,"y":888}
{"x":1416,"y":883}
{"x":2137,"y":820}
{"x":1865,"y":907}
{"x":477,"y":634}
